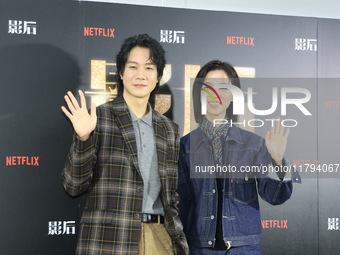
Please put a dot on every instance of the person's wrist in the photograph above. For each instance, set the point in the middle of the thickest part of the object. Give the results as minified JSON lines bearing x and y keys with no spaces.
{"x":278,"y":160}
{"x":83,"y":138}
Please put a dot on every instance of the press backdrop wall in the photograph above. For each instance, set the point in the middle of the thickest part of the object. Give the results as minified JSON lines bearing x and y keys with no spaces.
{"x":50,"y":47}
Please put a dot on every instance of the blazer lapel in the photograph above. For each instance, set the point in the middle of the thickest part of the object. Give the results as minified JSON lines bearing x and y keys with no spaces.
{"x":125,"y":125}
{"x":161,"y":146}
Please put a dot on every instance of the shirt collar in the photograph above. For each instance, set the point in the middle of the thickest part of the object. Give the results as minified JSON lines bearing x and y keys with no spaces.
{"x":147,"y":119}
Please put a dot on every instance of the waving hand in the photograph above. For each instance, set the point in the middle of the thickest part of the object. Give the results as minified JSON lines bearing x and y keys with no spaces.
{"x":83,"y":122}
{"x":276,"y":141}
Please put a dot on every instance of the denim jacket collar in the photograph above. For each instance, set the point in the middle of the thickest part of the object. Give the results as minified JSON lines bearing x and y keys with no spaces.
{"x":233,"y":134}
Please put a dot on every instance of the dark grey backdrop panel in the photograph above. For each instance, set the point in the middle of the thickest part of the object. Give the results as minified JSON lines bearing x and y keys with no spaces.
{"x":36,"y":71}
{"x":328,"y":130}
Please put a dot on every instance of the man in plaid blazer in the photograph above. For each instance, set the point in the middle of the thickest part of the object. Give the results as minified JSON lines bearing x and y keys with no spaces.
{"x":105,"y":159}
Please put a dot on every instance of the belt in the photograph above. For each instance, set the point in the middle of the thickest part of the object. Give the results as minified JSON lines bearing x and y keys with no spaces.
{"x":152,"y":218}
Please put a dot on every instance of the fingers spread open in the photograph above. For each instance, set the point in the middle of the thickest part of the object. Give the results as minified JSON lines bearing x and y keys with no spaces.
{"x":73,"y":100}
{"x":277,"y":126}
{"x":67,"y":113}
{"x":69,"y":104}
{"x":93,"y":110}
{"x":287,"y":132}
{"x":82,"y":98}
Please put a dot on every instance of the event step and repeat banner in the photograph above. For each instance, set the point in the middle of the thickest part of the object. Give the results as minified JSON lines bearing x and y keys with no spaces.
{"x":50,"y":47}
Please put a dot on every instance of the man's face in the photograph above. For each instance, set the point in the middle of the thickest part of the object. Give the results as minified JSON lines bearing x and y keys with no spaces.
{"x":140,"y":74}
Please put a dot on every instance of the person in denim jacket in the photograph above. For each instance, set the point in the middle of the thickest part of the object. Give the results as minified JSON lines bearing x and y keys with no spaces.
{"x":219,"y":204}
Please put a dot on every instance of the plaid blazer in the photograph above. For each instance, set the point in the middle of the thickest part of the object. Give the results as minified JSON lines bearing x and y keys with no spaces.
{"x":107,"y":165}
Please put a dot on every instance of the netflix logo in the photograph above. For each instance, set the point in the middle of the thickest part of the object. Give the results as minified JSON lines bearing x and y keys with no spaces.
{"x":331,"y":104}
{"x":274,"y":223}
{"x":22,"y":161}
{"x":98,"y":31}
{"x":240,"y":40}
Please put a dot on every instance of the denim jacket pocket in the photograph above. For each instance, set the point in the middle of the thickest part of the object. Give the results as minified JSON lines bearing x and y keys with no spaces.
{"x":244,"y":190}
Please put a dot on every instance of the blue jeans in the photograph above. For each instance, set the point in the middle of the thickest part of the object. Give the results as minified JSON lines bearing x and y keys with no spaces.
{"x":241,"y":250}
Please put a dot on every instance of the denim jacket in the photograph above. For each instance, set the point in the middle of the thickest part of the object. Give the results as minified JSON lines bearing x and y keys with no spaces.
{"x":241,"y":218}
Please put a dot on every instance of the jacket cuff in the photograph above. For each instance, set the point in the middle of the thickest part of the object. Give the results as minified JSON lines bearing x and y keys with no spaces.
{"x":81,"y":146}
{"x":282,"y":172}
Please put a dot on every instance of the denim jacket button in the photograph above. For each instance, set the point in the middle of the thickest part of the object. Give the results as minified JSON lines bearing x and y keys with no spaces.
{"x":212,"y":217}
{"x":210,"y":242}
{"x":213,"y":191}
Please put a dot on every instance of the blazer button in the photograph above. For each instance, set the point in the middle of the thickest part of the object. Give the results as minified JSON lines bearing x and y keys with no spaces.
{"x":136,"y":216}
{"x":139,"y":189}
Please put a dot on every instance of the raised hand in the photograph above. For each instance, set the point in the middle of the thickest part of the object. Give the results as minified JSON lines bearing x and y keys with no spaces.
{"x":276,"y":141}
{"x":83,"y":122}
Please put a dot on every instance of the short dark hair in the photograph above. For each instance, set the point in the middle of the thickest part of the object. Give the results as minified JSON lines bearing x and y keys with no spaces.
{"x":157,"y":56}
{"x":196,"y":92}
